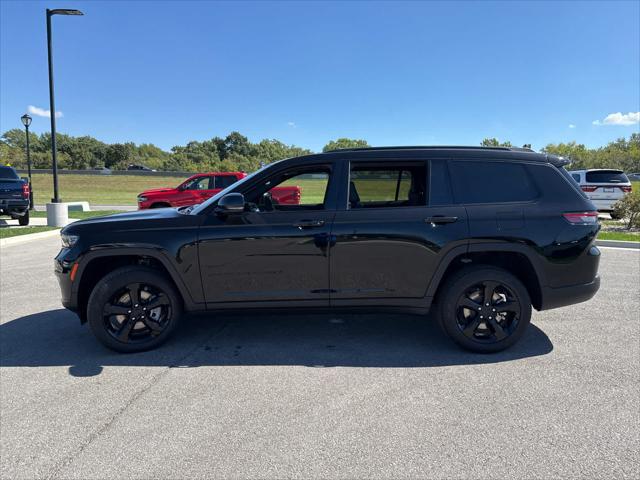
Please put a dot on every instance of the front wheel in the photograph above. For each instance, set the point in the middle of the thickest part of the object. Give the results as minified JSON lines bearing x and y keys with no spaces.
{"x":133,"y":309}
{"x":484,"y":309}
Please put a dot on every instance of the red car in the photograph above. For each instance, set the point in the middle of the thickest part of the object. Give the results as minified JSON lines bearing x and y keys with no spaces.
{"x":200,"y":187}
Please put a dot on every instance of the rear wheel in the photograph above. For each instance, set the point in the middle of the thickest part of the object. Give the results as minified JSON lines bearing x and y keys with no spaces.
{"x":484,"y":309}
{"x":133,"y":309}
{"x":24,"y":220}
{"x":160,"y":205}
{"x":614,"y":216}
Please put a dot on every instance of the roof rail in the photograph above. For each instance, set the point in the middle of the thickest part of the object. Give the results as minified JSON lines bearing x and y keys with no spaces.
{"x":430,"y":147}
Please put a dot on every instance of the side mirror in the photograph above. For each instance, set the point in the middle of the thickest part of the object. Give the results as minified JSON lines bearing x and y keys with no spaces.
{"x":25,"y":179}
{"x":231,"y":203}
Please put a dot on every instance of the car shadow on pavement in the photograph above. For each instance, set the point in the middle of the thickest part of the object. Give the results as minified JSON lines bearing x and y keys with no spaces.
{"x":56,"y":338}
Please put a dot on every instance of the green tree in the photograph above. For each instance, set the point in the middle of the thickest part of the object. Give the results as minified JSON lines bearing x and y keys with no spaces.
{"x":344,"y":143}
{"x":494,"y":142}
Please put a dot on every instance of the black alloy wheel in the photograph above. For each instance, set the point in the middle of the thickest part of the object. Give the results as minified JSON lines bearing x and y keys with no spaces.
{"x":133,"y":309}
{"x":488,"y":312}
{"x":137,"y":313}
{"x":484,"y":308}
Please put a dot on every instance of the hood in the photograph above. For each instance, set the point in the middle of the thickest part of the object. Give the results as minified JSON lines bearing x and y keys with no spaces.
{"x":124,"y":221}
{"x":156,"y":191}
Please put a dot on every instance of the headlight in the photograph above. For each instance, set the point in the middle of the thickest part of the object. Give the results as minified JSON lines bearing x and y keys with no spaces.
{"x":68,"y":241}
{"x":142,"y":199}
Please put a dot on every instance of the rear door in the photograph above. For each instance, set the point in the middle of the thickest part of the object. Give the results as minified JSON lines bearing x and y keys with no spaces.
{"x":394,"y":228}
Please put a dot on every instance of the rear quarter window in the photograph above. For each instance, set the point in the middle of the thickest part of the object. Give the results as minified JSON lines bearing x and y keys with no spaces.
{"x":491,"y":182}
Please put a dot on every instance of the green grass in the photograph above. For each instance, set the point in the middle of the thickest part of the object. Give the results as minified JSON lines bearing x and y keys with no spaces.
{"x":7,"y":232}
{"x":622,"y":236}
{"x":98,"y":189}
{"x":78,"y":215}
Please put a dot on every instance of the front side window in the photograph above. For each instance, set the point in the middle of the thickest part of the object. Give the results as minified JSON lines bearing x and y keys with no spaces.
{"x":292,"y":190}
{"x":479,"y":181}
{"x":397,"y":185}
{"x":199,"y":183}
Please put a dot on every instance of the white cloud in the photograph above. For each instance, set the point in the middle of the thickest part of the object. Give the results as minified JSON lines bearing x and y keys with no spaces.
{"x":619,"y":118}
{"x":292,"y":124}
{"x":41,"y":112}
{"x":571,"y":125}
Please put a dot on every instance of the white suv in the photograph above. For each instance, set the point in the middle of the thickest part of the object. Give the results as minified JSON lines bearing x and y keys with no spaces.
{"x":603,"y":187}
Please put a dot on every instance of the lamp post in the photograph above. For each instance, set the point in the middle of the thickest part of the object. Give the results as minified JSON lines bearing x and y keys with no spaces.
{"x":26,"y":121}
{"x":52,"y":107}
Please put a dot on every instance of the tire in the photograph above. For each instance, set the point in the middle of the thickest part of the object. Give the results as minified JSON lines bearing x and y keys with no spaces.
{"x":614,"y":216}
{"x":24,"y":220}
{"x":509,"y":309}
{"x":121,"y":331}
{"x":160,"y":205}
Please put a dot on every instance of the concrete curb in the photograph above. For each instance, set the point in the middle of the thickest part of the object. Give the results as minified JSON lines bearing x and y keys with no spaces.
{"x":618,"y":244}
{"x":5,"y":242}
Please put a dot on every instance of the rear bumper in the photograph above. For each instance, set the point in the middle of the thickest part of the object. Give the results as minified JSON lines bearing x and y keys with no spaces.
{"x":605,"y":205}
{"x":14,"y":206}
{"x":561,"y":297}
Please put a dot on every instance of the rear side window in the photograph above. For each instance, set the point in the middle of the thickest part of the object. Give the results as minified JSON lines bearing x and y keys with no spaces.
{"x":491,"y":182}
{"x":439,"y":186}
{"x":397,"y":185}
{"x":606,"y":176}
{"x":224,"y":181}
{"x":576,"y":177}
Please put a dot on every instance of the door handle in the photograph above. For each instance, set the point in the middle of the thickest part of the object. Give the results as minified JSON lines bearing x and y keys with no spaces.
{"x":309,"y":224}
{"x":437,"y":219}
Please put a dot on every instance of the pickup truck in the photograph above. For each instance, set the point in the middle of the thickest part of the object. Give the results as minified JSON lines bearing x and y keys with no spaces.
{"x":202,"y":186}
{"x":14,"y":195}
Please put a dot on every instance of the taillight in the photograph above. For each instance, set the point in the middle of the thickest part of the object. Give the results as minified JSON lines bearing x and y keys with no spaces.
{"x":25,"y":190}
{"x":581,"y":218}
{"x":589,"y":188}
{"x":626,"y":189}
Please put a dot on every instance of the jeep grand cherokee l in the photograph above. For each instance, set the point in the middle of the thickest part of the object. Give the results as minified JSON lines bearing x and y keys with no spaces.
{"x":480,"y":235}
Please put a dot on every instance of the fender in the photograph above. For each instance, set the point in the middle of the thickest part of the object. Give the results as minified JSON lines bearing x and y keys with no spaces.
{"x":156,"y":253}
{"x":484,"y":247}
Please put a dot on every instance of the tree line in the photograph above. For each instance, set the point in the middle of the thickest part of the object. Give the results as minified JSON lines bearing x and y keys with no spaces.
{"x":235,"y":152}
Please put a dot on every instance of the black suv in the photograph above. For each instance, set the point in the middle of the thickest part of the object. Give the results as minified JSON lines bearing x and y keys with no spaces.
{"x":481,"y":235}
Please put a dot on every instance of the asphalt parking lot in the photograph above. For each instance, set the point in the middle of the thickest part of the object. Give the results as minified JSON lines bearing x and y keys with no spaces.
{"x":349,"y":396}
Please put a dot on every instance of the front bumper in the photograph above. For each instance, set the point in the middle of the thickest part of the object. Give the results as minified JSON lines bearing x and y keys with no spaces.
{"x":563,"y":296}
{"x":62,"y":269}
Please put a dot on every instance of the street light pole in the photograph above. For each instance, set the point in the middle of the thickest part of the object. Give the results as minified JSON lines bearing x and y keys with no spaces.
{"x":26,"y":121}
{"x":52,"y":106}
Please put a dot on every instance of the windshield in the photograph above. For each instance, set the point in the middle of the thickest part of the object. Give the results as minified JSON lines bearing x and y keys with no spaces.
{"x":7,"y":173}
{"x":203,"y":206}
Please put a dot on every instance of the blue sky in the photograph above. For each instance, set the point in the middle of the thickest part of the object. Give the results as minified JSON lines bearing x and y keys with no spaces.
{"x":305,"y":73}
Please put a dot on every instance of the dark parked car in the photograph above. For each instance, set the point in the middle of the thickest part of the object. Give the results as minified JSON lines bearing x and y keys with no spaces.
{"x":140,"y":168}
{"x":481,"y":235}
{"x":14,"y":195}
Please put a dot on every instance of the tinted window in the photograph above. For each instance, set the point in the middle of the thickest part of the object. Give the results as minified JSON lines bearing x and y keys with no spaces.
{"x":606,"y":176}
{"x":439,"y":185}
{"x":389,"y":186}
{"x":8,"y":172}
{"x":576,"y":177}
{"x":225,"y":180}
{"x":489,"y":182}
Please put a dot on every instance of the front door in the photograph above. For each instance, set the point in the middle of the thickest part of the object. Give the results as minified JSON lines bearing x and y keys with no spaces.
{"x":272,"y":252}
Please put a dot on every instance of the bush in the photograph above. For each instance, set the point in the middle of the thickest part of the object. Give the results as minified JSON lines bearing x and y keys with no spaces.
{"x":628,"y":207}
